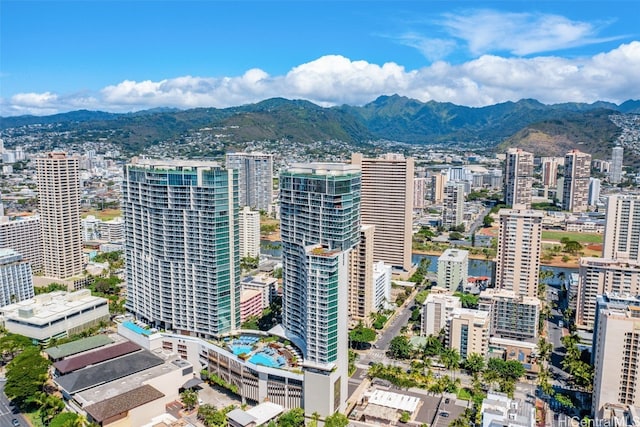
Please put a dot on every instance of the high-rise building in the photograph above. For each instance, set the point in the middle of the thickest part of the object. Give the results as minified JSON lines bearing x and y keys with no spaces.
{"x":512,"y":316}
{"x":320,"y":225}
{"x":577,"y":171}
{"x":438,"y":181}
{"x":518,"y":177}
{"x":249,"y":228}
{"x":182,"y":245}
{"x":622,"y":229}
{"x":58,"y":180}
{"x":615,"y":169}
{"x":603,"y":275}
{"x":453,"y":206}
{"x":550,"y":172}
{"x":387,"y":203}
{"x":25,"y":236}
{"x":255,"y":178}
{"x":361,"y":277}
{"x":468,"y":332}
{"x":453,"y":266}
{"x":436,"y":311}
{"x":519,"y":247}
{"x":594,"y":191}
{"x":16,"y":282}
{"x":419,"y":193}
{"x":616,"y":358}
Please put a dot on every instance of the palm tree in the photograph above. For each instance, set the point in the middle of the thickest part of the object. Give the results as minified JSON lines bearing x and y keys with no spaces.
{"x":450,"y":358}
{"x":474,"y":364}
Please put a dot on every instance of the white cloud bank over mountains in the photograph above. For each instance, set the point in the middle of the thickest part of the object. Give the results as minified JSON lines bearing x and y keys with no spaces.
{"x":333,"y":80}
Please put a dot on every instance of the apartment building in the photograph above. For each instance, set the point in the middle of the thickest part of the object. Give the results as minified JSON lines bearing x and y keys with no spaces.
{"x":320,"y":226}
{"x":519,"y":248}
{"x":249,"y":228}
{"x":513,"y":316}
{"x":16,"y":282}
{"x":255,"y":178}
{"x":518,"y":177}
{"x":58,"y":181}
{"x":577,"y":171}
{"x":182,"y":245}
{"x":387,"y":203}
{"x":25,"y":236}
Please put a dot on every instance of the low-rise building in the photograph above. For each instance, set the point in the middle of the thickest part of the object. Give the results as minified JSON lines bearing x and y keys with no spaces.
{"x":55,"y":315}
{"x":498,"y":410}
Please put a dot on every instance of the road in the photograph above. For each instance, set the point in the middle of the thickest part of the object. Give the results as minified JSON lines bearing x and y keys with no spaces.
{"x":8,"y":412}
{"x":478,"y":221}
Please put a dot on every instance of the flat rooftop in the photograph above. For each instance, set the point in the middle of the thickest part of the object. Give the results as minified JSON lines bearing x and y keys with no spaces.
{"x":108,"y":371}
{"x":170,"y":362}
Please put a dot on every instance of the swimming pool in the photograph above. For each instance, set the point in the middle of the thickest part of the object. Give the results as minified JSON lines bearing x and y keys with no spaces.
{"x":263,"y":359}
{"x":135,"y":328}
{"x":240,"y":349}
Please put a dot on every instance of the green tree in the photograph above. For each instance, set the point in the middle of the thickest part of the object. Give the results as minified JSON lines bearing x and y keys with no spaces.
{"x":474,"y":364}
{"x":572,"y":247}
{"x":432,"y":346}
{"x":26,"y":375}
{"x":361,"y":335}
{"x":399,"y":347}
{"x":12,"y":344}
{"x":292,"y":418}
{"x":67,"y":419}
{"x":336,"y":420}
{"x":405,"y":416}
{"x":487,"y":221}
{"x":450,"y":358}
{"x":189,"y":398}
{"x":415,"y":314}
{"x":468,"y":300}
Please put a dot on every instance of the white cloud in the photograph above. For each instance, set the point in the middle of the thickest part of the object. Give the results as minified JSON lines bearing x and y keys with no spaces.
{"x":334,"y":80}
{"x":486,"y":31}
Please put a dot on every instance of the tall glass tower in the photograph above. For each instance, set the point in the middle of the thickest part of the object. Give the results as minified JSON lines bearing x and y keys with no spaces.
{"x":320,"y":224}
{"x":181,"y":245}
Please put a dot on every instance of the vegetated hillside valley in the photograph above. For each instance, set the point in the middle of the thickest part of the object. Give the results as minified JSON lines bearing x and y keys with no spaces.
{"x":544,"y":129}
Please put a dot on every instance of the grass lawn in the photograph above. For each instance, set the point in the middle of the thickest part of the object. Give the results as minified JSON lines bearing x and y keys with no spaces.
{"x":464,"y":394}
{"x":104,"y":215}
{"x":578,"y":237}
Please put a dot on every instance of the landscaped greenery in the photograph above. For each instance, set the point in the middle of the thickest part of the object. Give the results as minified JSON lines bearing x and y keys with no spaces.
{"x":575,"y":236}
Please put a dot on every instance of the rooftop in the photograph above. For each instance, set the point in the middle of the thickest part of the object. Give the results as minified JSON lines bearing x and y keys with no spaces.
{"x":75,"y":347}
{"x":106,"y":353}
{"x":108,"y":371}
{"x":122,"y":403}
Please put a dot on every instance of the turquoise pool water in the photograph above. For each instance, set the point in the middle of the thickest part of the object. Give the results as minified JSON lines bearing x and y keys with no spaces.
{"x":135,"y":328}
{"x":264,"y":360}
{"x":240,"y":349}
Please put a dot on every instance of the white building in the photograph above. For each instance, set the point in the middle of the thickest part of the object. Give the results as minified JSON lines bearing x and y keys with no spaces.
{"x":381,"y":285}
{"x":436,"y":311}
{"x":453,"y":268}
{"x":55,"y":315}
{"x":594,"y":191}
{"x":25,"y":236}
{"x":249,"y":226}
{"x":512,"y":316}
{"x":255,"y":178}
{"x":16,"y":283}
{"x":181,"y":245}
{"x":622,"y":229}
{"x":498,"y":410}
{"x":615,"y":171}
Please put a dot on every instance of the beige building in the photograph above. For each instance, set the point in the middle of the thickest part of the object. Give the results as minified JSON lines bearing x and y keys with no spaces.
{"x":59,"y":196}
{"x":616,"y":358}
{"x":519,"y":247}
{"x":419,"y":193}
{"x":550,"y":172}
{"x":518,"y":177}
{"x":361,"y":285}
{"x":249,"y":228}
{"x":23,"y":234}
{"x":436,"y":310}
{"x":513,"y":316}
{"x":603,"y":275}
{"x":438,"y":182}
{"x":468,"y":331}
{"x":387,"y":203}
{"x":622,"y":229}
{"x":577,"y":171}
{"x":453,"y":205}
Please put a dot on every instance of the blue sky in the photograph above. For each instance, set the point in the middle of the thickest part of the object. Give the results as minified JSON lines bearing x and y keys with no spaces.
{"x":124,"y":55}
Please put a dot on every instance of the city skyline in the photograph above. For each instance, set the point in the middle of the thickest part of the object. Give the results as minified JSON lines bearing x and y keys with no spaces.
{"x":62,"y":56}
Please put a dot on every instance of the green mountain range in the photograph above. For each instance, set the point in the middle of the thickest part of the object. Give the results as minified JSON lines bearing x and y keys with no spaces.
{"x":393,"y":118}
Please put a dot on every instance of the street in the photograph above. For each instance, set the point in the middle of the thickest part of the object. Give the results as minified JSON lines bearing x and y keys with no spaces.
{"x":8,"y":412}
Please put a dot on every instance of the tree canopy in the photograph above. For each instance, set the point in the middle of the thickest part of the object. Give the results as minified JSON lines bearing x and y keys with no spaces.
{"x":26,"y":376}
